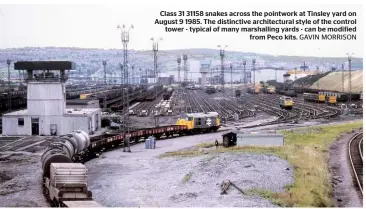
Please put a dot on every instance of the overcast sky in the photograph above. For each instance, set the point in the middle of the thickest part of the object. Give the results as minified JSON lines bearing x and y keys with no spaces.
{"x":94,"y":26}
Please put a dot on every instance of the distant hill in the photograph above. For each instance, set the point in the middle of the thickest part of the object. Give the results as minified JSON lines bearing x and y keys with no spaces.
{"x":90,"y":60}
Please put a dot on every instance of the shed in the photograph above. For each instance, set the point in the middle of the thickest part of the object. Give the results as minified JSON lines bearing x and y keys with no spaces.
{"x":229,"y":139}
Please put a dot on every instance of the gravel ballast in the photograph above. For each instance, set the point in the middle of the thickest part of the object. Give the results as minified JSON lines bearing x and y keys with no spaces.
{"x":141,"y":179}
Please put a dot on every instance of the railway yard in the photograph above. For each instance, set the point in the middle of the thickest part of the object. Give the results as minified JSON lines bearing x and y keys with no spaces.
{"x":158,"y":177}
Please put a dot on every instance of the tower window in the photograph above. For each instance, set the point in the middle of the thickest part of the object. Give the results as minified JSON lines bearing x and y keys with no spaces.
{"x":20,"y":121}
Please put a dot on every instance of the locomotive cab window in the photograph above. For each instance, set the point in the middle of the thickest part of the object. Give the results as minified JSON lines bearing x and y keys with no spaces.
{"x":20,"y":121}
{"x":190,"y":118}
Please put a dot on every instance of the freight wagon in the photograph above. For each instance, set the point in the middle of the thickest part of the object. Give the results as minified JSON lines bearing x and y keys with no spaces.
{"x":168,"y":94}
{"x":310,"y":97}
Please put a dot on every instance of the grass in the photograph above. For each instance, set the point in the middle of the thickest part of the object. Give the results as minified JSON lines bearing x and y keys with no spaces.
{"x":307,"y":150}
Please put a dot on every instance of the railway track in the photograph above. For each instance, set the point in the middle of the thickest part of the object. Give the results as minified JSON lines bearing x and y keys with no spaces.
{"x":355,"y":151}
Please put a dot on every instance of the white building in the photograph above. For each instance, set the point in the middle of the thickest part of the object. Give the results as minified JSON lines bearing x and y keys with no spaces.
{"x":46,"y":112}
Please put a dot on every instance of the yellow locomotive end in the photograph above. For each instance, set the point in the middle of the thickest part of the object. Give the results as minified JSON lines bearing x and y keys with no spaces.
{"x":321,"y":98}
{"x":286,"y":102}
{"x":332,"y":100}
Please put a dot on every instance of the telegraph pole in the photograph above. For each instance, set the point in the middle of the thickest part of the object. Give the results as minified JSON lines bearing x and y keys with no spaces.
{"x":155,"y":50}
{"x":125,"y":38}
{"x":105,"y":72}
{"x":244,"y":64}
{"x":253,"y":61}
{"x":222,"y":55}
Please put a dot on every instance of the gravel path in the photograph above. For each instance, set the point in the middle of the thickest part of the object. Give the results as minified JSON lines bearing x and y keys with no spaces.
{"x":345,"y":194}
{"x":140,"y":179}
{"x":21,"y":180}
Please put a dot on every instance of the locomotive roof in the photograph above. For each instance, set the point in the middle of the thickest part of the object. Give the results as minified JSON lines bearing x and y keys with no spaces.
{"x":201,"y":114}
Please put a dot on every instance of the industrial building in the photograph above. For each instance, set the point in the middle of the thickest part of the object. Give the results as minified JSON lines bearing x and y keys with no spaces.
{"x":165,"y":79}
{"x":46,"y":112}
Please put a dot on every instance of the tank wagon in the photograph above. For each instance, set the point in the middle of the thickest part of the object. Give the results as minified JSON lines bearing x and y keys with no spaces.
{"x":210,"y":90}
{"x":154,"y":93}
{"x":168,"y":94}
{"x":65,"y":178}
{"x":65,"y":182}
{"x":286,"y":103}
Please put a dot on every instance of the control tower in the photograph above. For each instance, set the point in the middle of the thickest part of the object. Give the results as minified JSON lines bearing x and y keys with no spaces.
{"x":205,"y":66}
{"x":46,"y":112}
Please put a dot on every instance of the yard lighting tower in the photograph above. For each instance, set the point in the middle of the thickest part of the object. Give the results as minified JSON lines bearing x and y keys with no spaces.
{"x":179,"y":60}
{"x":139,"y":82}
{"x":125,"y":38}
{"x":222,"y":55}
{"x":231,"y":77}
{"x":349,"y":76}
{"x":105,"y":72}
{"x":8,"y":62}
{"x":244,"y":64}
{"x":155,"y":51}
{"x":342,"y":77}
{"x":9,"y":95}
{"x":185,"y":58}
{"x":253,"y":62}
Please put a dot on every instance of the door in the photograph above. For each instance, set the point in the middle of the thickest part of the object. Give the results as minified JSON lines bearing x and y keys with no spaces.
{"x":53,"y":129}
{"x":35,"y":126}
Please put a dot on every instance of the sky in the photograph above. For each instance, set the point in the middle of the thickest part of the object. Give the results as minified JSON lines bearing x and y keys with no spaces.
{"x":95,"y":26}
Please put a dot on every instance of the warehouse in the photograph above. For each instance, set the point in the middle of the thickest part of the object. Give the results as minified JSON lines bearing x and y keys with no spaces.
{"x":46,"y":112}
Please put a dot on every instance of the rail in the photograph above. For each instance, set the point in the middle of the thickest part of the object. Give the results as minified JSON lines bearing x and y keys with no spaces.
{"x":355,"y":156}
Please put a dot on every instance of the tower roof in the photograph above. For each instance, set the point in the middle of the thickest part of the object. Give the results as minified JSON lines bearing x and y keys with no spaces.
{"x":44,"y":65}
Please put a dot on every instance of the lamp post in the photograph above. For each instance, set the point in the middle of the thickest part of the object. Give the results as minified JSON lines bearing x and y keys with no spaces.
{"x":222,"y":55}
{"x":155,"y":51}
{"x":125,"y":38}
